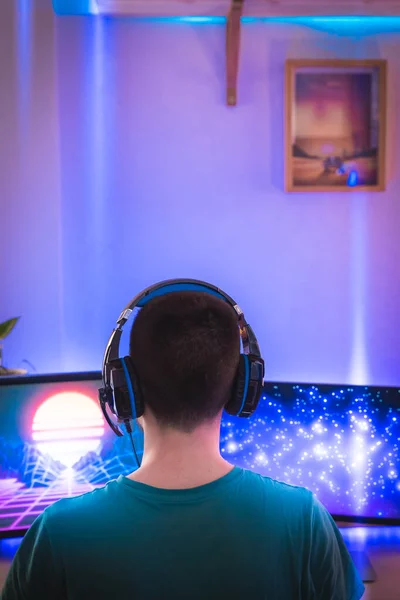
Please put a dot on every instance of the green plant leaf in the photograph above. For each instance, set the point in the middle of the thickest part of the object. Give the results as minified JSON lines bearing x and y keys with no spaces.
{"x":7,"y":327}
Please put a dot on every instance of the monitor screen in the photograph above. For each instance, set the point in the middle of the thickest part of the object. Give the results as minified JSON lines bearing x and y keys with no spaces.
{"x":341,"y":442}
{"x":54,"y":443}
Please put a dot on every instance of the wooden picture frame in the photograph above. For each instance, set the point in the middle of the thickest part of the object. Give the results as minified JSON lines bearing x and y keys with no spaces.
{"x":335,"y":125}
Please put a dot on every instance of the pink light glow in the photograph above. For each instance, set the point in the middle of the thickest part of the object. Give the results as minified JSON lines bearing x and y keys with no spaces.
{"x":68,"y":425}
{"x":68,"y":434}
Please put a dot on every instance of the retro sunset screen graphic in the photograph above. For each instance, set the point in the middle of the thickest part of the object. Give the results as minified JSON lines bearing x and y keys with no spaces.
{"x":54,"y":443}
{"x":68,"y":425}
{"x":341,"y":442}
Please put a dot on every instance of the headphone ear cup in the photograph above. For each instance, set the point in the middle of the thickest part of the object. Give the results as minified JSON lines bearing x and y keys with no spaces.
{"x":236,"y":402}
{"x":138,"y":409}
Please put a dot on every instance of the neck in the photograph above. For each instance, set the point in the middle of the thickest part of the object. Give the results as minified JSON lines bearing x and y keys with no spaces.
{"x":176,"y":460}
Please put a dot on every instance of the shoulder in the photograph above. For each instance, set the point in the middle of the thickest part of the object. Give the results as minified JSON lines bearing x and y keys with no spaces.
{"x":85,"y":508}
{"x":278,"y":490}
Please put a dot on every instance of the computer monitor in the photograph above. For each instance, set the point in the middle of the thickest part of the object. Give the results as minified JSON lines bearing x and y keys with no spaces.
{"x":341,"y":442}
{"x":54,"y":443}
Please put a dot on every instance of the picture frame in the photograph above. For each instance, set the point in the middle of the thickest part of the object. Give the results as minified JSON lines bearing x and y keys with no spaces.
{"x":335,"y":125}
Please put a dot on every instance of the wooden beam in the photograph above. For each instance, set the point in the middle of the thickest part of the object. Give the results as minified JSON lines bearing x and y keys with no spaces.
{"x":233,"y":50}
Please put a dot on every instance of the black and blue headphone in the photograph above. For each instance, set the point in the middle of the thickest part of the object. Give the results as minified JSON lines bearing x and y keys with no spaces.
{"x":121,"y":394}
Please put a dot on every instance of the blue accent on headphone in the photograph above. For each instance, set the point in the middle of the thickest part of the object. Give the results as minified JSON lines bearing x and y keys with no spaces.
{"x":178,"y":287}
{"x":246,"y":381}
{"x":130,"y":388}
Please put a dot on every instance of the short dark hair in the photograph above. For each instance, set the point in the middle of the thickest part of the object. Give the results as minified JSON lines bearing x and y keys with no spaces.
{"x":185,"y":348}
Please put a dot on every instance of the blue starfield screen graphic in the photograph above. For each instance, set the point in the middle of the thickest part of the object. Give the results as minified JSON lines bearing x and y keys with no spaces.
{"x":340,"y":442}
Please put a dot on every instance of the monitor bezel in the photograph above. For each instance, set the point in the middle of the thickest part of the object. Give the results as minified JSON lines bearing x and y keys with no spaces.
{"x":51,"y":378}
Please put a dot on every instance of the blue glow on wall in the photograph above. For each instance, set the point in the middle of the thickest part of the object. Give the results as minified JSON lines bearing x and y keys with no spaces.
{"x":344,"y":25}
{"x":360,"y":366}
{"x":352,"y":26}
{"x":24,"y":56}
{"x":195,"y":20}
{"x":75,"y":7}
{"x":349,"y":25}
{"x":142,"y":191}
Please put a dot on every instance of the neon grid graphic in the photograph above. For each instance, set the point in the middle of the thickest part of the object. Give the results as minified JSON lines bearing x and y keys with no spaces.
{"x":19,"y":506}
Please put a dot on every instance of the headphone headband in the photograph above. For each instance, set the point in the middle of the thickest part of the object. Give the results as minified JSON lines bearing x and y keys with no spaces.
{"x":249,"y":340}
{"x":253,"y":364}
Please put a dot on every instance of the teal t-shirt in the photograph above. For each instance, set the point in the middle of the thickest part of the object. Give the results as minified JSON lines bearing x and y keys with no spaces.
{"x":243,"y":536}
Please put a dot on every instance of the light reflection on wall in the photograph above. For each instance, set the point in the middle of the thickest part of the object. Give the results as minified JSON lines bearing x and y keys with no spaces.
{"x":24,"y":38}
{"x":141,"y":190}
{"x":359,"y":369}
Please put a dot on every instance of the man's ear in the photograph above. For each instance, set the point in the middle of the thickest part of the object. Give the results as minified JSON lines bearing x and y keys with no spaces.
{"x":140,"y":421}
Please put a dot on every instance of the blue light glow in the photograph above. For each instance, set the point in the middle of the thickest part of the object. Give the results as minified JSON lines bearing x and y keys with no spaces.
{"x":75,"y":7}
{"x":353,"y":20}
{"x":350,"y":26}
{"x":24,"y":57}
{"x":8,"y":547}
{"x":358,"y":262}
{"x":341,"y":25}
{"x":97,"y":118}
{"x":358,"y":26}
{"x":195,"y":20}
{"x":352,"y":179}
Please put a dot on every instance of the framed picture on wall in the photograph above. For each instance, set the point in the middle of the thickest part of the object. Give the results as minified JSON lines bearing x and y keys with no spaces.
{"x":335,"y":125}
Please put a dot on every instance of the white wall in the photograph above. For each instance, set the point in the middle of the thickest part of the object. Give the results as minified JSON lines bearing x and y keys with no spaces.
{"x":129,"y":168}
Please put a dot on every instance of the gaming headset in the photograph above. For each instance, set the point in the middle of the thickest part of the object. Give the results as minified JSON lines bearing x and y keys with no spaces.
{"x":121,"y":394}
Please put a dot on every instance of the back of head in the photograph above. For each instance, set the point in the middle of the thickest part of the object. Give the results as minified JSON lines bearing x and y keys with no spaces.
{"x":185,"y":349}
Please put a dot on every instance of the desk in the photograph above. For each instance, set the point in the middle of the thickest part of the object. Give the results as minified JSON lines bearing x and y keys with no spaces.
{"x":382,"y":546}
